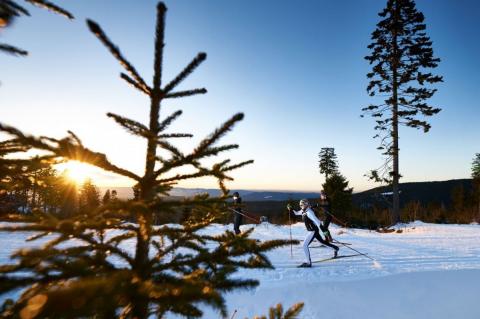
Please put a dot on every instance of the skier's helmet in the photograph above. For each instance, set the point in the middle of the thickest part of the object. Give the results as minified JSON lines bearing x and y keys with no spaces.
{"x":304,"y":203}
{"x":236,"y":194}
{"x":323,"y":195}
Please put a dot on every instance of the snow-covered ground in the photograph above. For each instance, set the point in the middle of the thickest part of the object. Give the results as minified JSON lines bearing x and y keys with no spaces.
{"x":427,"y":271}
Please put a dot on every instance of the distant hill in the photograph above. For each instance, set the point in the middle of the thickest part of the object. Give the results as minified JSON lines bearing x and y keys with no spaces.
{"x":424,"y":192}
{"x":247,"y":195}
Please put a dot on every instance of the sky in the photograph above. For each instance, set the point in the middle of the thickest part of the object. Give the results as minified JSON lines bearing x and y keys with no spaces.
{"x":295,"y":68}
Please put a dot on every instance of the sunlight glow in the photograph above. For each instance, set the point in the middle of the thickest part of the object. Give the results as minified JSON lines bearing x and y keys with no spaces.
{"x":76,"y":171}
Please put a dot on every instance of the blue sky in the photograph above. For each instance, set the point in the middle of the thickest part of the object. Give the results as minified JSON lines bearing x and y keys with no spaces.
{"x":296,"y":70}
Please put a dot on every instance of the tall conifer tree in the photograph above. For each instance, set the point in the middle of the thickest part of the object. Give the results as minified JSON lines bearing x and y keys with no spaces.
{"x":401,"y":54}
{"x":327,"y":161}
{"x":87,"y":270}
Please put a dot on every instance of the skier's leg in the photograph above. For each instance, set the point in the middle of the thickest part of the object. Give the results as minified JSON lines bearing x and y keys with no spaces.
{"x":306,"y":242}
{"x":326,"y":223}
{"x":328,"y":220}
{"x":237,"y":220}
{"x":326,"y":243}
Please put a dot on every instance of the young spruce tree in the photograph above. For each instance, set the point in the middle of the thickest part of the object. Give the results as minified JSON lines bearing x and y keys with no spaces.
{"x":327,"y":161}
{"x":401,"y":54}
{"x":98,"y":264}
{"x":340,"y":195}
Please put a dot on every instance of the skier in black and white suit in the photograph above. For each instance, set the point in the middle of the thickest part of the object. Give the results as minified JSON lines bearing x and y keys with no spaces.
{"x":312,"y":223}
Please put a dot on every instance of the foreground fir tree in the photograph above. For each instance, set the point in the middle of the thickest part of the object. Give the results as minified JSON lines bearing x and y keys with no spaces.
{"x":327,"y":161}
{"x":401,"y":54}
{"x":84,"y":266}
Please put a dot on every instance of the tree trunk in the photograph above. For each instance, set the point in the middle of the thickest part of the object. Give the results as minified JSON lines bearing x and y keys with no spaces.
{"x":395,"y":149}
{"x":34,"y":190}
{"x":145,"y":219}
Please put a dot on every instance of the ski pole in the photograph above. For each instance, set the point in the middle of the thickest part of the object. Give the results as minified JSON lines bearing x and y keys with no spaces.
{"x":234,"y":313}
{"x":336,"y":219}
{"x":249,"y":217}
{"x":337,"y":242}
{"x":333,"y":216}
{"x":290,"y":226}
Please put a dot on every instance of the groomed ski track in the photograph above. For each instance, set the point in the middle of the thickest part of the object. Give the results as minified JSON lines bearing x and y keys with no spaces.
{"x":427,"y":271}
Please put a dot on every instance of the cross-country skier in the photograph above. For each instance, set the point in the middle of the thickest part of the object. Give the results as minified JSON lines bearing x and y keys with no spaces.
{"x":312,"y":223}
{"x":237,"y":217}
{"x":325,"y":206}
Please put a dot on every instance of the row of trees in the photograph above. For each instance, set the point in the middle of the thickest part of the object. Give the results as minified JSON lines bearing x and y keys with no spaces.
{"x":34,"y":184}
{"x":464,"y":202}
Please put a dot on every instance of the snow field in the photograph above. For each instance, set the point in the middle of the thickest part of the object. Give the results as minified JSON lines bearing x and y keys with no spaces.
{"x":427,"y":271}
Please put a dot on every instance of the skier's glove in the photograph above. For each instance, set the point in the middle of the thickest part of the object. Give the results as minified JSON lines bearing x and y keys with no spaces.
{"x":289,"y":207}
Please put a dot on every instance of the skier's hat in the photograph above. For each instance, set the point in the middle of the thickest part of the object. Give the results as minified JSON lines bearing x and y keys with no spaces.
{"x":304,"y":203}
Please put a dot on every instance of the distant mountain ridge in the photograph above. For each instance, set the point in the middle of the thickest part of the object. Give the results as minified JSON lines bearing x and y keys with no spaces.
{"x":424,"y":192}
{"x":247,"y":195}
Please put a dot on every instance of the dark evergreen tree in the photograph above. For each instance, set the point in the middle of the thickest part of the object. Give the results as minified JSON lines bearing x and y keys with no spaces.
{"x":327,"y":161}
{"x":68,"y":195}
{"x":106,"y":197}
{"x":458,"y":199}
{"x":401,"y":54}
{"x":10,"y":10}
{"x":50,"y":190}
{"x":476,"y":183}
{"x":171,"y":269}
{"x":476,"y":166}
{"x":113,"y":195}
{"x":89,"y":197}
{"x":339,"y":194}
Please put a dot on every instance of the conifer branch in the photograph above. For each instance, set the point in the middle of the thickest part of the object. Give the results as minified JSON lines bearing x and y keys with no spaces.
{"x":51,"y":7}
{"x":185,"y":93}
{"x":135,"y":84}
{"x":218,"y":133}
{"x":213,"y":151}
{"x":159,"y":44}
{"x":186,"y":72}
{"x":166,"y":122}
{"x":175,"y":135}
{"x":13,"y":8}
{"x":133,"y":127}
{"x":69,"y":148}
{"x":12,"y":50}
{"x":233,"y":167}
{"x":169,"y":147}
{"x":98,"y":32}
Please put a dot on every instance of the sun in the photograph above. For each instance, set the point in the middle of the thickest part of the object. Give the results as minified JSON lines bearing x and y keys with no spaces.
{"x":76,"y":171}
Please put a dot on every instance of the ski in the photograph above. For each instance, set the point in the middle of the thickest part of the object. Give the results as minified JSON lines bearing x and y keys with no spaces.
{"x":318,"y":261}
{"x":323,"y":246}
{"x":338,"y":257}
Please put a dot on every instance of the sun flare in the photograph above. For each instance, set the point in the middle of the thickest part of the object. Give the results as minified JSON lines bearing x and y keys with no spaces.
{"x":76,"y":171}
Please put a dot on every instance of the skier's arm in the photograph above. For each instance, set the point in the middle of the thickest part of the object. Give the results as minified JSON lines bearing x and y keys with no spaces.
{"x":299,"y":213}
{"x":291,"y":210}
